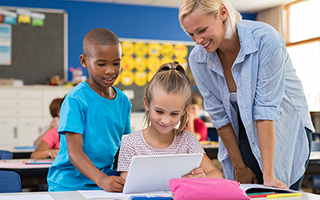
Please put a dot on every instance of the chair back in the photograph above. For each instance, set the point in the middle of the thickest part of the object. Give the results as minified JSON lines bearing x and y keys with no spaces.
{"x":9,"y":182}
{"x":315,"y":146}
{"x":5,"y":155}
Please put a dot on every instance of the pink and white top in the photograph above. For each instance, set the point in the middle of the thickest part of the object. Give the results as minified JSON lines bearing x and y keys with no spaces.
{"x":134,"y":144}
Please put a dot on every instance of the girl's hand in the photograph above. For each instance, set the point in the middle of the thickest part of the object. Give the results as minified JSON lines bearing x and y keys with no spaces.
{"x":271,"y":181}
{"x":52,"y":153}
{"x":196,"y":173}
{"x":245,"y":175}
{"x":112,"y":183}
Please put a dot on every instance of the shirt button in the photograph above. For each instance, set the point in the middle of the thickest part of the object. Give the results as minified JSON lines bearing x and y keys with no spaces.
{"x":234,"y":69}
{"x":259,"y":158}
{"x":248,"y":126}
{"x":253,"y":143}
{"x":239,"y":87}
{"x":241,"y":106}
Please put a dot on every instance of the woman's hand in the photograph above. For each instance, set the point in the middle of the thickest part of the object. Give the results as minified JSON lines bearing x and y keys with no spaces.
{"x":196,"y":173}
{"x":245,"y":176}
{"x":271,"y":181}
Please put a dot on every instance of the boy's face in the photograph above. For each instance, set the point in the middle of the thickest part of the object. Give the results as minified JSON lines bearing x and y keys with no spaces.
{"x":103,"y":64}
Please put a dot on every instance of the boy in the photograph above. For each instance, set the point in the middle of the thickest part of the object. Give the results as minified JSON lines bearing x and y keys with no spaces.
{"x":194,"y":124}
{"x":94,"y":117}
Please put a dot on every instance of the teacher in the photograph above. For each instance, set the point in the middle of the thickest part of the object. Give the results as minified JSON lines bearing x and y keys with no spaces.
{"x":252,"y":94}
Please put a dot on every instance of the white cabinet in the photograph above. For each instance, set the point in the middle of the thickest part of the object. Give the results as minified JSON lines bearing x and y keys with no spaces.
{"x":24,"y":111}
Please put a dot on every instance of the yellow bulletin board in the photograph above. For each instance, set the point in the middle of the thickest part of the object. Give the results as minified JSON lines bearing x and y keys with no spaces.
{"x":142,"y":58}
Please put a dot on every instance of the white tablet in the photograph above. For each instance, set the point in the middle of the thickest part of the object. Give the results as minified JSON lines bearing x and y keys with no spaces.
{"x":153,"y":172}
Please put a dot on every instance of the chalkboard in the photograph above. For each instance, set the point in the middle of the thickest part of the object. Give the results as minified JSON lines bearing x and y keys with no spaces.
{"x":38,"y":52}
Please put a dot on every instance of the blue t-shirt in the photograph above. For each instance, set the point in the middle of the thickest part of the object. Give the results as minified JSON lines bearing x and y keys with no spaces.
{"x":101,"y":122}
{"x":267,"y":89}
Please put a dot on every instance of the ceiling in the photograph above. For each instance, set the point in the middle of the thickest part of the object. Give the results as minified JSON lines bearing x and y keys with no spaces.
{"x":249,"y":6}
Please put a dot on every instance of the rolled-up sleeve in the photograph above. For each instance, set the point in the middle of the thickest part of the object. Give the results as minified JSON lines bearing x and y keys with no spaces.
{"x":270,"y":83}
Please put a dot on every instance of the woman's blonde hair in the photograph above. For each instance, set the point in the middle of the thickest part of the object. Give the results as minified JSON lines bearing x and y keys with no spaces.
{"x":171,"y":78}
{"x":211,"y":7}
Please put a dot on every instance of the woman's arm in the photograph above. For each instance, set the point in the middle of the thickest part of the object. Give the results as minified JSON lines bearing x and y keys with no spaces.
{"x":266,"y":138}
{"x":80,"y":160}
{"x":242,"y":173}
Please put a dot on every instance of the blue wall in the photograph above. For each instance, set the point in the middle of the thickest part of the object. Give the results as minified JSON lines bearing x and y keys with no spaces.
{"x":126,"y":21}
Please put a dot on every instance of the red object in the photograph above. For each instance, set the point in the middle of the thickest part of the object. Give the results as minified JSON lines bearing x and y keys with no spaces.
{"x":261,"y":195}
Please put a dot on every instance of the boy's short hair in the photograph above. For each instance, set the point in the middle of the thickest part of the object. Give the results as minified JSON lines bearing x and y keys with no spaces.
{"x":98,"y":36}
{"x":196,"y":99}
{"x":55,"y":106}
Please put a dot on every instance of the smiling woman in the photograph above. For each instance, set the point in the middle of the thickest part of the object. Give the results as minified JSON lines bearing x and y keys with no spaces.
{"x":253,"y":96}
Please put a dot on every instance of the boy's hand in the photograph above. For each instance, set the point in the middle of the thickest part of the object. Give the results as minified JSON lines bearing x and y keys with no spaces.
{"x":196,"y":173}
{"x":112,"y":183}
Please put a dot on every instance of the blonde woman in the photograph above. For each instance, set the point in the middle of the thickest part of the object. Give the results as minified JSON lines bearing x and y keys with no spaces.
{"x":252,"y":93}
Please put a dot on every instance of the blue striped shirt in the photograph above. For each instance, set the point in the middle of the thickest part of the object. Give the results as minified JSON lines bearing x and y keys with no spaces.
{"x":267,"y":89}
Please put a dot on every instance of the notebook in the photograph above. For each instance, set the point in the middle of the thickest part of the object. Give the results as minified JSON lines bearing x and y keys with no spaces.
{"x":152,"y":172}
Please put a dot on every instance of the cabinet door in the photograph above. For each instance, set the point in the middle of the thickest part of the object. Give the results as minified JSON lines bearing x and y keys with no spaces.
{"x":8,"y":132}
{"x":28,"y":131}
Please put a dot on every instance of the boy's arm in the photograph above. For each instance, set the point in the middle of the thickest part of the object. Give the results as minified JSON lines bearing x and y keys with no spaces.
{"x":80,"y":160}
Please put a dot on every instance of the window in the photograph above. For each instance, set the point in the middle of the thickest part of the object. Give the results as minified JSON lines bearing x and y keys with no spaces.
{"x":304,"y":47}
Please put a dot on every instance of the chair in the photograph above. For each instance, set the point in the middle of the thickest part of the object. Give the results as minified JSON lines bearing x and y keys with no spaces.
{"x":9,"y":182}
{"x":315,"y":146}
{"x":212,"y":134}
{"x":5,"y":155}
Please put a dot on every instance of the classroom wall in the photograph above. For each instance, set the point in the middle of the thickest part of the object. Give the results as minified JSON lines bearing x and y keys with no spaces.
{"x":126,"y":21}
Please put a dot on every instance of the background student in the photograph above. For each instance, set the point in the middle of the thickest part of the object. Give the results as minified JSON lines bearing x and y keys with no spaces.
{"x":49,"y":146}
{"x":54,"y":108}
{"x":252,"y":93}
{"x":94,"y":117}
{"x":195,"y":124}
{"x":166,"y":98}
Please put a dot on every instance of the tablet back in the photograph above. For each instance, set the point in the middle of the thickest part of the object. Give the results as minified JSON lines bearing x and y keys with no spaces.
{"x":153,"y":172}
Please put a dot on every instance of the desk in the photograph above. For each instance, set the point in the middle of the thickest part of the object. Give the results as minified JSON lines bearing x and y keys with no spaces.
{"x":20,"y":152}
{"x":31,"y":175}
{"x":314,"y":163}
{"x":74,"y":195}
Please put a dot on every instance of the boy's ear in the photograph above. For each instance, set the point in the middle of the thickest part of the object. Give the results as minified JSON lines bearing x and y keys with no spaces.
{"x":83,"y":61}
{"x":146,"y":105}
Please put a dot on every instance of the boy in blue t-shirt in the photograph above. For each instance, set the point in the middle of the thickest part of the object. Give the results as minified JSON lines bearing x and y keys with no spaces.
{"x":94,"y":117}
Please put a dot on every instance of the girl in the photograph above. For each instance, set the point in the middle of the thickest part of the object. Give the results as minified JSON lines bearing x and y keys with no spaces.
{"x":166,"y":98}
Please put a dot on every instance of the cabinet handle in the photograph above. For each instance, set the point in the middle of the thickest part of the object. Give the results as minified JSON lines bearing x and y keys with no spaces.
{"x":15,"y":132}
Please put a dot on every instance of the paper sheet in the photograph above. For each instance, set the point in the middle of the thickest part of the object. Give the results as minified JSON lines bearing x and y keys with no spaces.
{"x":27,"y":197}
{"x":99,"y":194}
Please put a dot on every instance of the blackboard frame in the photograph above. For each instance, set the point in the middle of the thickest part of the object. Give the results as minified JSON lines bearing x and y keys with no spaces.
{"x":38,"y":53}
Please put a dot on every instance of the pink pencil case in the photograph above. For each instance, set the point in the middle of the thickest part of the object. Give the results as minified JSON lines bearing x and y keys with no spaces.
{"x":206,"y":189}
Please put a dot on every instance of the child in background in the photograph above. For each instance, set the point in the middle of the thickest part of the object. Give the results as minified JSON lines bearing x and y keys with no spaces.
{"x":94,"y":117}
{"x":194,"y":124}
{"x":55,"y":112}
{"x":49,"y":146}
{"x":166,"y":98}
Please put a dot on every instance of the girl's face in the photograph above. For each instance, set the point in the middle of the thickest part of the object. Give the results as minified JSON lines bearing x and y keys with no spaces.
{"x":165,"y":111}
{"x":206,"y":30}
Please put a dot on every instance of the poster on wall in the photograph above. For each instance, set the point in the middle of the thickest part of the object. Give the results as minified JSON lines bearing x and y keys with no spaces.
{"x":5,"y":44}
